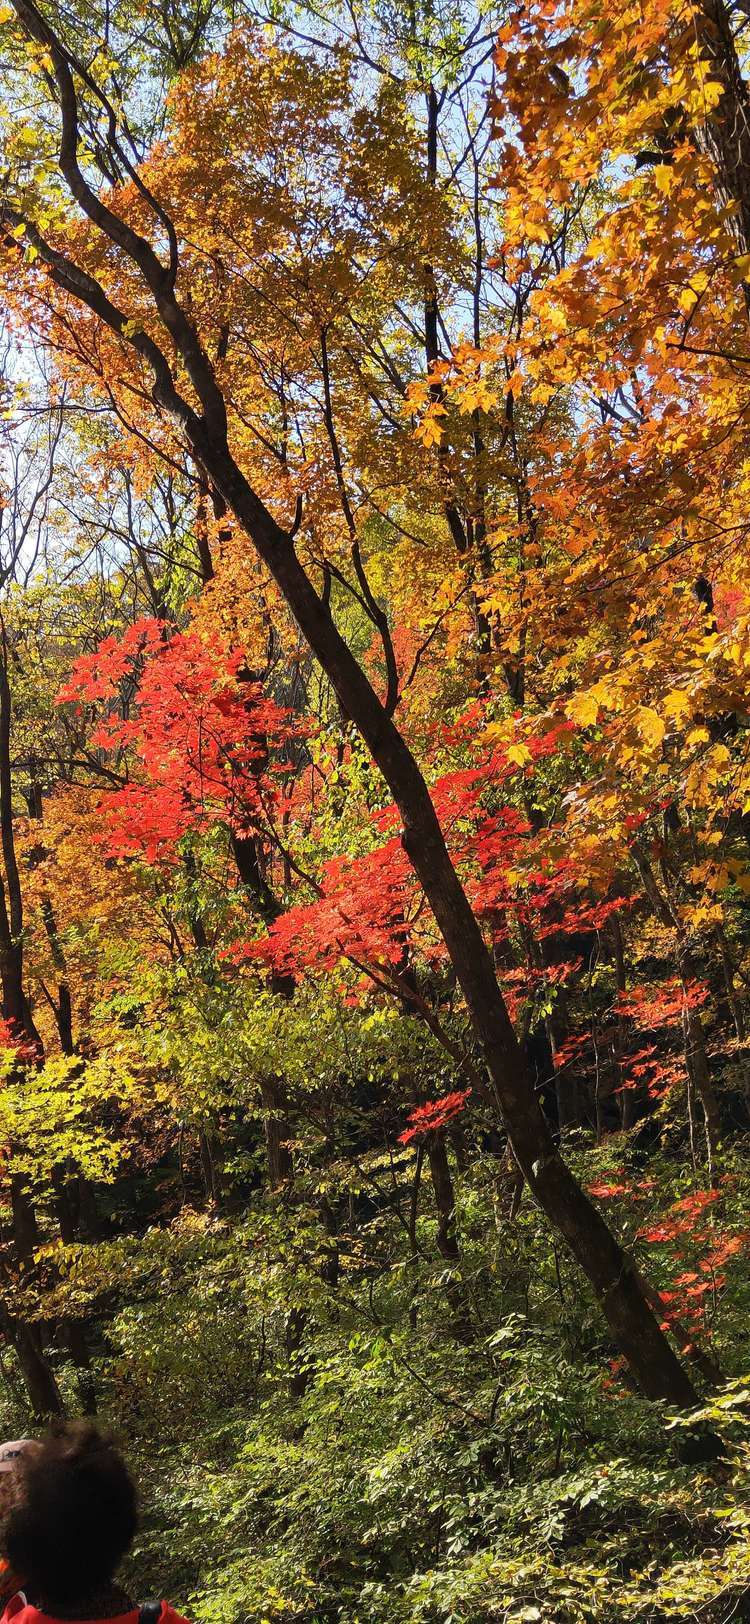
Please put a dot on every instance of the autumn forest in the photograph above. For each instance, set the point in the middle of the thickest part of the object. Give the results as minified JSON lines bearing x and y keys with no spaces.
{"x":375,"y":795}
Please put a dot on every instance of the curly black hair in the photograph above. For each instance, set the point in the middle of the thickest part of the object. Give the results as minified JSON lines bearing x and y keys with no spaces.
{"x":77,"y":1515}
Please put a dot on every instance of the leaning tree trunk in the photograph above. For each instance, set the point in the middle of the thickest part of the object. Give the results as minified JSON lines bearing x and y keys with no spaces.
{"x":599,"y":1254}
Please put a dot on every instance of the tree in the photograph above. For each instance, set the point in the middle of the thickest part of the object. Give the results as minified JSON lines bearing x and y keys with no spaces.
{"x":205,"y":426}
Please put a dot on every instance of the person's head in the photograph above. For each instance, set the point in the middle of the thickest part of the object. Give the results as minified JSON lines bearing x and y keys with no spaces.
{"x":76,"y":1516}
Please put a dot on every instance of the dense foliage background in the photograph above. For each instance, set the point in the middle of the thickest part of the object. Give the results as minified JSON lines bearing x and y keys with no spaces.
{"x":375,"y":795}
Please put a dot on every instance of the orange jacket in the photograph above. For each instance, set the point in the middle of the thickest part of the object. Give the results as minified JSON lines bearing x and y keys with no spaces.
{"x":19,"y":1611}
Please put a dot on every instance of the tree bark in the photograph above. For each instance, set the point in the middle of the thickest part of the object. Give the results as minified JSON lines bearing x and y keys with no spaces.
{"x":38,"y":1377}
{"x":442,"y":1186}
{"x":209,"y":1159}
{"x":276,"y":1130}
{"x":447,"y":1240}
{"x":725,"y":133}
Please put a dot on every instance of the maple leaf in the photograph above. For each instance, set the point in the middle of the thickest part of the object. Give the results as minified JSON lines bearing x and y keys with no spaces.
{"x":607,"y":1192}
{"x":435,"y":1115}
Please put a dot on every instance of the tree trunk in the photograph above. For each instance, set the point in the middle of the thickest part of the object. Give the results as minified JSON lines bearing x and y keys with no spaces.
{"x":696,"y":1058}
{"x":447,"y":1241}
{"x":442,"y":1185}
{"x":39,"y":1380}
{"x":208,"y":1149}
{"x":64,"y":1006}
{"x":699,"y":1071}
{"x":329,"y":1268}
{"x":293,"y":1334}
{"x":598,"y":1253}
{"x":725,"y":133}
{"x":276,"y":1130}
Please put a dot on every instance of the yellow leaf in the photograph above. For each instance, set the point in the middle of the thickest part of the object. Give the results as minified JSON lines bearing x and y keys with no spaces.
{"x":584,"y":709}
{"x":650,"y":725}
{"x":677,"y":702}
{"x":477,"y":396}
{"x":430,"y":430}
{"x":519,"y":754}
